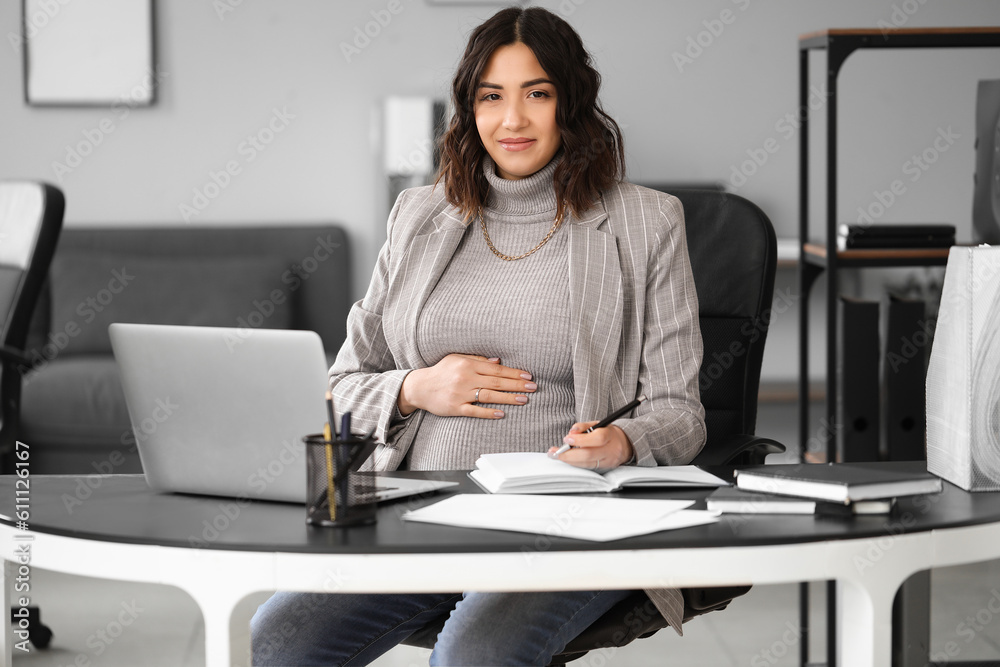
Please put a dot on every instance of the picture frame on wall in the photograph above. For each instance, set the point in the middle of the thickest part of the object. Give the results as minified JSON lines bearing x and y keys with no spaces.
{"x":88,"y":52}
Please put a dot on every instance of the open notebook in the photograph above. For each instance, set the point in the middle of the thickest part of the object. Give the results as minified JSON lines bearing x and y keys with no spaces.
{"x":529,"y":472}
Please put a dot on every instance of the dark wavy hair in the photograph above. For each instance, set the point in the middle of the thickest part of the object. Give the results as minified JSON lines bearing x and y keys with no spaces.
{"x":593,"y":155}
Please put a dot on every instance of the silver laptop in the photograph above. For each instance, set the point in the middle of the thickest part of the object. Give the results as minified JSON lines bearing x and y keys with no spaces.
{"x":222,"y":412}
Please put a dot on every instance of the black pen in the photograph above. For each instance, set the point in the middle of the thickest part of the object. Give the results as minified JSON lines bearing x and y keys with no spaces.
{"x":606,"y":421}
{"x":330,"y":417}
{"x":345,"y":426}
{"x":344,"y":461}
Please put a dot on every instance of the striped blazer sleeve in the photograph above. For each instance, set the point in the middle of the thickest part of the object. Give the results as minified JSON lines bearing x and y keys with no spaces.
{"x":364,"y":378}
{"x":669,"y":428}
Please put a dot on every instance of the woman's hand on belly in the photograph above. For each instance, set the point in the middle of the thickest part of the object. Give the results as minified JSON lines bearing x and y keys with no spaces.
{"x":449,"y":387}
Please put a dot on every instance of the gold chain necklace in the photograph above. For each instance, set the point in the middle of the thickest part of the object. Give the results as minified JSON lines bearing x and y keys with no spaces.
{"x":508,"y":258}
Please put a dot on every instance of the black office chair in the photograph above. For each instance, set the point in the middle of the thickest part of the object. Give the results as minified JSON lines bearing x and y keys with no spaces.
{"x":31,"y":216}
{"x":733,"y":257}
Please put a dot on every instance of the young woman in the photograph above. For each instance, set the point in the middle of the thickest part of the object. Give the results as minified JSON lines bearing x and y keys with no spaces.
{"x":525,"y":295}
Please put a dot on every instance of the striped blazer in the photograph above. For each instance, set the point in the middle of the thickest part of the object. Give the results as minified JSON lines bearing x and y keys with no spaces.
{"x":635,"y":325}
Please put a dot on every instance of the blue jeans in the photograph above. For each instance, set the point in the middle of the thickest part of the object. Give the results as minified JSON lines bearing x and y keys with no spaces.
{"x":305,"y":629}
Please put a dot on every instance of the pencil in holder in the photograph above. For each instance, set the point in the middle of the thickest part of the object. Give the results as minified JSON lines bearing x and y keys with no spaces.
{"x":337,"y":494}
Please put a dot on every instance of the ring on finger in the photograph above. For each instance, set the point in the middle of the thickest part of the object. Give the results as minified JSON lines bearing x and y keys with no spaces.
{"x":476,"y":399}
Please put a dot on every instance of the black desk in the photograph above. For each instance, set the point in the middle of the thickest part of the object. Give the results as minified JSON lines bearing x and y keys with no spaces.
{"x":220,"y":551}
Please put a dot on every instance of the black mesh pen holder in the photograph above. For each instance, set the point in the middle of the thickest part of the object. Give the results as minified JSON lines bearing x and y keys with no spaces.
{"x":337,"y":494}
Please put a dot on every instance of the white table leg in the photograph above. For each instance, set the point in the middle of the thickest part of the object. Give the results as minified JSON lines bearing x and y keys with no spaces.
{"x":217,"y":604}
{"x":869,"y":573}
{"x":864,"y":623}
{"x":218,"y":580}
{"x":217,"y":610}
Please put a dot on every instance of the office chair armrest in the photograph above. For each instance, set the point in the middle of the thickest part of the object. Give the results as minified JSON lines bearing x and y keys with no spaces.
{"x":738,"y":450}
{"x":13,"y":355}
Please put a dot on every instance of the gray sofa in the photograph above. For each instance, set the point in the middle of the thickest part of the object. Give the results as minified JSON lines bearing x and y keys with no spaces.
{"x":73,"y":413}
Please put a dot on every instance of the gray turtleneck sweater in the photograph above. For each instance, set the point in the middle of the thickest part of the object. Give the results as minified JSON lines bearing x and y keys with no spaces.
{"x":515,"y":310}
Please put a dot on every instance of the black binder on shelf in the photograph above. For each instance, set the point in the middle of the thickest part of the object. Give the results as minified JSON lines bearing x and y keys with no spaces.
{"x":986,"y":193}
{"x":858,"y":403}
{"x":907,"y":340}
{"x":896,"y":236}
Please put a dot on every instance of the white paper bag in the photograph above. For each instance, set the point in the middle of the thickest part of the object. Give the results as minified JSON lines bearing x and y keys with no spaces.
{"x":963,"y":378}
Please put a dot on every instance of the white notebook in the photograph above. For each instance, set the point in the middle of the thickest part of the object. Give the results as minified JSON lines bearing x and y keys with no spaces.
{"x":530,"y":472}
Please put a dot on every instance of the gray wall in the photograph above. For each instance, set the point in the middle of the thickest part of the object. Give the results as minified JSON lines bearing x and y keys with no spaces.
{"x":223,"y":75}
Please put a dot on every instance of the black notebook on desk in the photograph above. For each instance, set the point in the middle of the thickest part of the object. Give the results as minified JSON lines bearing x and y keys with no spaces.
{"x":836,"y":482}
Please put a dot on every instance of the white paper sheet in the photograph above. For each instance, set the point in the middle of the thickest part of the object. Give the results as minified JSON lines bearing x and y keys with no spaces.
{"x":584,"y":518}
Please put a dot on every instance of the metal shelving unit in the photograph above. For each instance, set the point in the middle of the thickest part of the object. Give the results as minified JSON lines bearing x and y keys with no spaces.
{"x":815,"y":258}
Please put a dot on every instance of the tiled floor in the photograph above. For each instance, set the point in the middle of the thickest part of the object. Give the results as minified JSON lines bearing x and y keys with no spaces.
{"x":101,"y":623}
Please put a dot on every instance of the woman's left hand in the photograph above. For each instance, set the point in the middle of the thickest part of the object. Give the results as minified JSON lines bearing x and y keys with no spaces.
{"x":604,"y":448}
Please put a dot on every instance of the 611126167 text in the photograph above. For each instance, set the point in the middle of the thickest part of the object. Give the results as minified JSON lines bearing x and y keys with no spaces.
{"x":22,"y":549}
